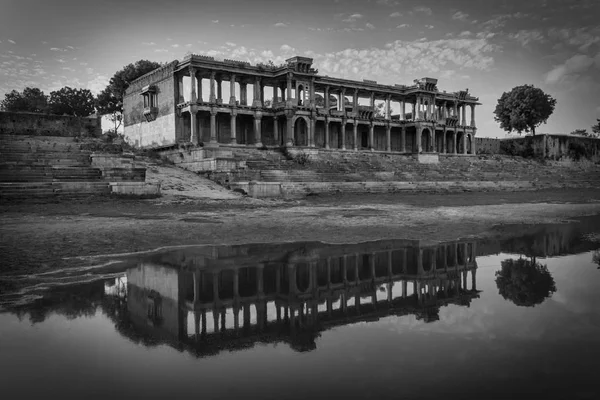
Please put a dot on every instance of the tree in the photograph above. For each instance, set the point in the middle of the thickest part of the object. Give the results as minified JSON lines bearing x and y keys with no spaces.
{"x":524,"y":282}
{"x":122,"y":78}
{"x":580,"y":132}
{"x":596,"y":128}
{"x":78,"y":102}
{"x":523,"y":109}
{"x":108,"y":104}
{"x":30,"y":100}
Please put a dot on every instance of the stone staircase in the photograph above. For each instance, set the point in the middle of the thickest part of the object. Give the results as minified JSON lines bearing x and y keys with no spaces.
{"x":34,"y":167}
{"x":349,"y":172}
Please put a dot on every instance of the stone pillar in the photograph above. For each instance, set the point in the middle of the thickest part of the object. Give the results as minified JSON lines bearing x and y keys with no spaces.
{"x":419,"y":133}
{"x":243,"y":94}
{"x":199,"y":94}
{"x":343,"y":133}
{"x":259,"y":280}
{"x":326,"y":94}
{"x":193,"y":96}
{"x":403,"y":140}
{"x":289,"y":131}
{"x":372,"y":137}
{"x":473,"y":280}
{"x":326,"y":132}
{"x":355,"y":135}
{"x":233,"y":127}
{"x":213,"y":126}
{"x":388,"y":137}
{"x":340,"y":102}
{"x":276,"y":130}
{"x":473,"y":147}
{"x":212,"y":98}
{"x":232,"y":99}
{"x":403,"y":110}
{"x":311,"y":137}
{"x":196,"y":287}
{"x":417,"y":109}
{"x":388,"y":108}
{"x":312,"y":93}
{"x":464,"y":115}
{"x":372,"y":100}
{"x":193,"y":125}
{"x":180,"y":98}
{"x":464,"y":138}
{"x":454,"y":142}
{"x":355,"y":102}
{"x":258,"y":129}
{"x":219,"y":90}
{"x":473,"y":115}
{"x":289,"y":87}
{"x":275,"y":98}
{"x":257,"y":93}
{"x":444,"y":141}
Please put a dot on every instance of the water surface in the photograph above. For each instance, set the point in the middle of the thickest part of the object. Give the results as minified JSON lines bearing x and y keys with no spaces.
{"x":386,"y":319}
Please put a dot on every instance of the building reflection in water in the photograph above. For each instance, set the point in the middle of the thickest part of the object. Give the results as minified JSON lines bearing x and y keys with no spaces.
{"x":210,"y":299}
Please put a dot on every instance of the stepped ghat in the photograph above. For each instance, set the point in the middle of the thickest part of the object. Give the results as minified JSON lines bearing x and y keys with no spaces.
{"x":41,"y":156}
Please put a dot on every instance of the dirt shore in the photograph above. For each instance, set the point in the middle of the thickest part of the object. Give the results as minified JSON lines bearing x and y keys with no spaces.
{"x":38,"y":237}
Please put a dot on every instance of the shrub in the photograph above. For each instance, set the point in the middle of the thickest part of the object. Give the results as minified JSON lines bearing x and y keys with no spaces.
{"x":577,"y":150}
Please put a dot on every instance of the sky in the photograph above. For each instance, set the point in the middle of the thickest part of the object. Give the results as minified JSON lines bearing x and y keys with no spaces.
{"x":488,"y":47}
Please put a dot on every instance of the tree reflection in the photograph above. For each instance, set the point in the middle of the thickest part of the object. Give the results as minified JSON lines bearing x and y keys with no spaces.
{"x":524,"y":282}
{"x":596,"y":258}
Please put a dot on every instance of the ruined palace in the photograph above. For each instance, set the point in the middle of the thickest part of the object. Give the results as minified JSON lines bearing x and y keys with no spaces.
{"x":231,"y":103}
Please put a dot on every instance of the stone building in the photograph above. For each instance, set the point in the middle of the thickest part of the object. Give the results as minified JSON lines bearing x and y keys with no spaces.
{"x":232,"y":103}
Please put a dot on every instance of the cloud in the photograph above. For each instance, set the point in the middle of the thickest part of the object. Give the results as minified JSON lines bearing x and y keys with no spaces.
{"x":70,"y":47}
{"x":161,"y":51}
{"x":403,"y":26}
{"x":370,"y":26}
{"x":396,"y":14}
{"x":149,"y":43}
{"x":353,"y":18}
{"x":424,"y":10}
{"x":68,"y":69}
{"x":527,"y":36}
{"x":11,"y":41}
{"x":98,"y":84}
{"x":572,"y":68}
{"x":287,"y":48}
{"x":465,"y":33}
{"x":280,"y":25}
{"x":460,"y":16}
{"x":429,"y":26}
{"x":230,"y":44}
{"x":215,"y":21}
{"x":57,"y":49}
{"x":389,"y":3}
{"x":60,"y":60}
{"x":175,"y":45}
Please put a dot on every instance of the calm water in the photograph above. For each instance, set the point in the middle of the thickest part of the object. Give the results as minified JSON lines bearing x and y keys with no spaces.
{"x":389,"y":319}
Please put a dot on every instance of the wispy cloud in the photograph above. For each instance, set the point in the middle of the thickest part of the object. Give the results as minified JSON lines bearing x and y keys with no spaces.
{"x":389,"y":3}
{"x":161,"y":51}
{"x":280,"y":25}
{"x":396,"y":14}
{"x":215,"y":21}
{"x":149,"y":43}
{"x":11,"y":41}
{"x":424,"y":10}
{"x":230,"y":44}
{"x":353,"y":17}
{"x":403,"y":26}
{"x":57,"y":49}
{"x":370,"y":26}
{"x":460,"y":16}
{"x":175,"y":45}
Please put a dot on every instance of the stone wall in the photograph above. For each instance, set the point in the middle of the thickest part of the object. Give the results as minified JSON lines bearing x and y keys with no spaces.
{"x":161,"y":131}
{"x":37,"y":124}
{"x":487,"y":145}
{"x":555,"y":147}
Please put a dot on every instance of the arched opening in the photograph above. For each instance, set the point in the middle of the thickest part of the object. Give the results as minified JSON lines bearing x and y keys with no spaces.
{"x":300,"y":132}
{"x":364,"y":139}
{"x":302,"y":277}
{"x":439,"y":141}
{"x":460,"y":142}
{"x":425,"y":140}
{"x":469,"y":144}
{"x":449,"y":142}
